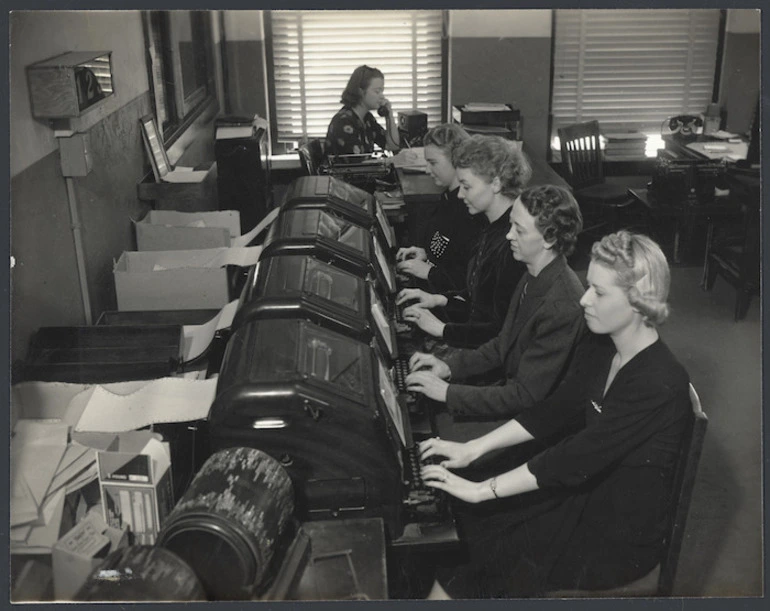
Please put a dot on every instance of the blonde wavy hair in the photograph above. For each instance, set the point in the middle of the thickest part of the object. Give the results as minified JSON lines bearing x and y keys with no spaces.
{"x":642,"y":271}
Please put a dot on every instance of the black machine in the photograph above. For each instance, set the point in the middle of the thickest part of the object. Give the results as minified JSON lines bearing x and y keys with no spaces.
{"x":685,"y":180}
{"x":353,"y":203}
{"x":412,"y":125}
{"x":293,"y":286}
{"x":326,"y":407}
{"x":329,"y":236}
{"x":365,"y":171}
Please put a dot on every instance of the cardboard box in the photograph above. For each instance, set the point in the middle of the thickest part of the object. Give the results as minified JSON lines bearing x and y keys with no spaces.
{"x":135,"y":484}
{"x":169,"y":280}
{"x":81,"y":550}
{"x":172,"y":230}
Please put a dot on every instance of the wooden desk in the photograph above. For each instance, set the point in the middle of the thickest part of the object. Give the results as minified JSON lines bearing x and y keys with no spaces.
{"x":685,"y":216}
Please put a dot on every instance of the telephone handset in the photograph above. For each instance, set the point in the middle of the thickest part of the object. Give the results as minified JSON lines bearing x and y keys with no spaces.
{"x":684,"y":127}
{"x":383,"y":111}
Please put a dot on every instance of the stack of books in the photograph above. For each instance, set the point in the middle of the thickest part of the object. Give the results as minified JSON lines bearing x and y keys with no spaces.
{"x":624,"y":146}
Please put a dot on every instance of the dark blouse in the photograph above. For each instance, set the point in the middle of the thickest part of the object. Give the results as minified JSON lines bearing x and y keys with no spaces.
{"x":348,"y":135}
{"x":606,"y":485}
{"x":476,"y":313}
{"x":449,"y":237}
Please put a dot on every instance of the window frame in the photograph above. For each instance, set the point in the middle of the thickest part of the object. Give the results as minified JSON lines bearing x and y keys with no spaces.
{"x":278,"y":148}
{"x":182,"y":109}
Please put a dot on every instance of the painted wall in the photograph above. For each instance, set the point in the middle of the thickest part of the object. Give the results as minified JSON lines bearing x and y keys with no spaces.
{"x":244,"y":56}
{"x":504,"y":56}
{"x":739,"y":86}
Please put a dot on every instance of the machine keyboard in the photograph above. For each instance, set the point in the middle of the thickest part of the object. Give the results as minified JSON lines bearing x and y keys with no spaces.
{"x":400,"y":371}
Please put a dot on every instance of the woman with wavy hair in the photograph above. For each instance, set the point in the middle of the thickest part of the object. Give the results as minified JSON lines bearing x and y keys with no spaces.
{"x":614,"y":428}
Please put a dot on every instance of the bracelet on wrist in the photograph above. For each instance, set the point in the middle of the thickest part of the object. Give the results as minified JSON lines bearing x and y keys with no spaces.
{"x":493,"y":486}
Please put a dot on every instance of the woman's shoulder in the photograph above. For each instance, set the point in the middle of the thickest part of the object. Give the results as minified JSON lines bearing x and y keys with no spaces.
{"x":344,"y":113}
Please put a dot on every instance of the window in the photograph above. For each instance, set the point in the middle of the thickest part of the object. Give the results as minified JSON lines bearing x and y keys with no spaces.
{"x":631,"y":69}
{"x":314,"y":53}
{"x":180,"y":49}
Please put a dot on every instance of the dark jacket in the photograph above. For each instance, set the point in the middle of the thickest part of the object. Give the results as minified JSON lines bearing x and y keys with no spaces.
{"x":475,"y":314}
{"x":531,"y":352}
{"x":606,"y":486}
{"x":449,"y":237}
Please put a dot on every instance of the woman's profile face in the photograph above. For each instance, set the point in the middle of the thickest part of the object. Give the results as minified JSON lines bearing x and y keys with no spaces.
{"x":527,"y":243}
{"x":373,"y":97}
{"x":605,"y":304}
{"x":475,"y":191}
{"x":440,"y":166}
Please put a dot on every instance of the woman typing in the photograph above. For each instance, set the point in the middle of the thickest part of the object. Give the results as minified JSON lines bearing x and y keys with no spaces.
{"x":606,"y":483}
{"x":353,"y":130}
{"x":440,"y":257}
{"x":491,"y":173}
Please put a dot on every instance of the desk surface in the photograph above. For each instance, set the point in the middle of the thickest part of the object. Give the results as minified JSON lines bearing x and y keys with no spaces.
{"x":721,"y":206}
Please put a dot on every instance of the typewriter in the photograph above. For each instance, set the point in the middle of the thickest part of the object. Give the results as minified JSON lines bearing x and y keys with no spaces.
{"x":330,"y":237}
{"x":364,"y":171}
{"x":326,"y":407}
{"x":353,"y":203}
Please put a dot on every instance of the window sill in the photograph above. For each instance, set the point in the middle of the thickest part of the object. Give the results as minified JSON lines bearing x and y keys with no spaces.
{"x":289,"y":161}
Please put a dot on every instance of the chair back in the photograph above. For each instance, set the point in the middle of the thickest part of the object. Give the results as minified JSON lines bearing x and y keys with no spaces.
{"x":311,"y":155}
{"x":581,"y":155}
{"x":684,"y":480}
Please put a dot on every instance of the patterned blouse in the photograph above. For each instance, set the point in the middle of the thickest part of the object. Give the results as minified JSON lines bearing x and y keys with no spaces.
{"x":348,"y":135}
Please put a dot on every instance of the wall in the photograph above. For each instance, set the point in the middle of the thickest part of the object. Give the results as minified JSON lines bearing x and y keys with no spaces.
{"x":244,"y":56}
{"x":739,"y":85}
{"x":504,"y":56}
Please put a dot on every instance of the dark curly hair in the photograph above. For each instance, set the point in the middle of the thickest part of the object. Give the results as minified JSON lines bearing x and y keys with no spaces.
{"x":358,"y":83}
{"x":642,"y":271}
{"x":557,"y":215}
{"x":493,"y":157}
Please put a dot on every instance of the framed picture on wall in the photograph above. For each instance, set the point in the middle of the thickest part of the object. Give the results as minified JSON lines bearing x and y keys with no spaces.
{"x":154,"y":146}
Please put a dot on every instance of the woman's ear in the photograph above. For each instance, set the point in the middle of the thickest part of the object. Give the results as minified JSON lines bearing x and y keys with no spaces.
{"x":497,"y":186}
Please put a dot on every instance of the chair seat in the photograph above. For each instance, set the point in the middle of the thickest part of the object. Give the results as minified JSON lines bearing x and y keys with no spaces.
{"x":644,"y":586}
{"x":605,"y":194}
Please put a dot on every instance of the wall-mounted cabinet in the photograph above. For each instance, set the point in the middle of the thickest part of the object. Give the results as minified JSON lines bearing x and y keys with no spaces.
{"x":68,"y":85}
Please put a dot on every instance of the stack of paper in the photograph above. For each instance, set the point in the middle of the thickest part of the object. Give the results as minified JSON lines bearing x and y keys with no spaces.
{"x":44,"y":469}
{"x":624,"y":145}
{"x":413,"y":158}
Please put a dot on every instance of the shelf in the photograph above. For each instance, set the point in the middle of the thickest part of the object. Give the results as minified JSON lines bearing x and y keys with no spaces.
{"x":149,"y":190}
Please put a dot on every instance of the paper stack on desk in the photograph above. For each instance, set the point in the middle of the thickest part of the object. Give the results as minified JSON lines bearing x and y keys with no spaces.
{"x":411,"y":158}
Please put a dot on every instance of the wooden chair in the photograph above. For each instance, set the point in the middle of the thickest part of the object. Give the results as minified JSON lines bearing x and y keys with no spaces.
{"x":311,"y":155}
{"x":660,"y":581}
{"x":736,"y":257}
{"x":581,"y":156}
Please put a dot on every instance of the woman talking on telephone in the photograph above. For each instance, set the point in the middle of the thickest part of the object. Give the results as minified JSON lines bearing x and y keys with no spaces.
{"x":353,"y":130}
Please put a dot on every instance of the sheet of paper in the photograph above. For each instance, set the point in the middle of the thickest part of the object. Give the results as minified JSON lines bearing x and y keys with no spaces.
{"x":181,"y":176}
{"x":41,"y":400}
{"x":47,"y":533}
{"x":198,"y":337}
{"x":24,"y":509}
{"x":410,"y":158}
{"x":162,"y":400}
{"x":246,"y":238}
{"x":37,"y":447}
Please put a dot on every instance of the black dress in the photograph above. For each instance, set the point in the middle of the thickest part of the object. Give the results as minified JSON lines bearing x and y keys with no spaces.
{"x":449,"y":236}
{"x":475,"y":314}
{"x":348,"y":134}
{"x":598,"y":520}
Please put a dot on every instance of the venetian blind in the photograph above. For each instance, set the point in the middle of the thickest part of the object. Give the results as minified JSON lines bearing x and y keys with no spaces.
{"x":314,"y":53}
{"x":631,"y":69}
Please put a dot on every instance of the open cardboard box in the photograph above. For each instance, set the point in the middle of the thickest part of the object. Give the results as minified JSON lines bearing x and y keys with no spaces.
{"x":173,"y":230}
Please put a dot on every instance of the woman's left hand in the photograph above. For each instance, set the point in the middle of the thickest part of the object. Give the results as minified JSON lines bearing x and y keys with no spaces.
{"x":428,"y":384}
{"x":437,"y":476}
{"x":414,"y":267}
{"x":425,"y":319}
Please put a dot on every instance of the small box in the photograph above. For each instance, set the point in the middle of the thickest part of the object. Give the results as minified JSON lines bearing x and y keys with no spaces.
{"x":413,"y":123}
{"x":170,"y":280}
{"x":81,"y":550}
{"x":135,"y":483}
{"x":172,"y":230}
{"x":469,"y":116}
{"x":67,"y":85}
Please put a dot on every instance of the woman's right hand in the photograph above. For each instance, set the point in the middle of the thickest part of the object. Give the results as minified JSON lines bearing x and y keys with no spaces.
{"x":458,"y":454}
{"x":420,"y":298}
{"x":427,"y":362}
{"x":411,"y":252}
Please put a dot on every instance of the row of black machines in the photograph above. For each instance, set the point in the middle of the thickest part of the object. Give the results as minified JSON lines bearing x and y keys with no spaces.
{"x":313,"y":371}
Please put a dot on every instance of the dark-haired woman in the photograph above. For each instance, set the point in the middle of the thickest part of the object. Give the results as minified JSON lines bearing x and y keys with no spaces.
{"x":604,"y":487}
{"x":354,"y":130}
